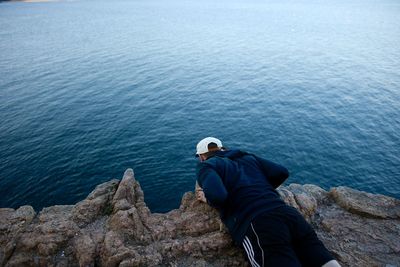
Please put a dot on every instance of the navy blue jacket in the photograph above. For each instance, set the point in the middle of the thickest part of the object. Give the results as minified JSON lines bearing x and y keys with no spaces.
{"x":241,"y":186}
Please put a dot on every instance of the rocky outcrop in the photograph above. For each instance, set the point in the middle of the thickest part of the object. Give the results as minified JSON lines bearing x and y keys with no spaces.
{"x":114,"y":227}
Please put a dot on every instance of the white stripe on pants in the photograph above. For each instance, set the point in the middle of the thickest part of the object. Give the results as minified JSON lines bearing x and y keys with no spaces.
{"x":250,"y":252}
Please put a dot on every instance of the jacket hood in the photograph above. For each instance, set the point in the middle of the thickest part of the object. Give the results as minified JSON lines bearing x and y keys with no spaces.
{"x":232,"y":154}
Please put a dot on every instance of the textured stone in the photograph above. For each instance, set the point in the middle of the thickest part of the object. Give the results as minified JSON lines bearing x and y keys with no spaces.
{"x":366,"y":204}
{"x":98,"y":203}
{"x":114,"y":227}
{"x":12,"y":224}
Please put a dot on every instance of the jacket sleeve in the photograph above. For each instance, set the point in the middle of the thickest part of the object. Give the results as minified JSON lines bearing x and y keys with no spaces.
{"x":276,"y":174}
{"x":212,"y":185}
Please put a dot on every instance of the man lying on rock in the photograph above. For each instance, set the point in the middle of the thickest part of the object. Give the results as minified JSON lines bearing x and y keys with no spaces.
{"x":241,"y":186}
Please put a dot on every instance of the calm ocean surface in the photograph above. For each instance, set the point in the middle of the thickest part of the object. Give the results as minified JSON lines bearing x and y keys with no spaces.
{"x":90,"y":88}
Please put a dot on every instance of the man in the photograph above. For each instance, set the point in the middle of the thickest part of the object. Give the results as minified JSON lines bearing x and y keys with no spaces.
{"x":241,"y":186}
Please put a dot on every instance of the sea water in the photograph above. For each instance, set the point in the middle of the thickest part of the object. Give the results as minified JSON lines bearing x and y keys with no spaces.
{"x":90,"y":88}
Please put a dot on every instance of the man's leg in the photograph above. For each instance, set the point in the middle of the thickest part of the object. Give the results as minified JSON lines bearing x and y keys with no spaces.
{"x":268,"y":243}
{"x":309,"y":249}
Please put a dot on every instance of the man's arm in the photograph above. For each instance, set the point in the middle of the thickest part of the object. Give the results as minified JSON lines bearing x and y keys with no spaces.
{"x":275,"y":173}
{"x":212,"y":185}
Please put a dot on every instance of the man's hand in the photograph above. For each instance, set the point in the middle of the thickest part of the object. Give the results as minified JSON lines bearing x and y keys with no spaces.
{"x":200,"y":194}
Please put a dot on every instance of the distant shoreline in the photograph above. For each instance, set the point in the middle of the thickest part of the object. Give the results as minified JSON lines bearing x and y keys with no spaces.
{"x":29,"y":1}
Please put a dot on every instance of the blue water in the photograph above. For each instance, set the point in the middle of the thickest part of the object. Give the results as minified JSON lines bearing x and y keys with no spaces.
{"x":90,"y":88}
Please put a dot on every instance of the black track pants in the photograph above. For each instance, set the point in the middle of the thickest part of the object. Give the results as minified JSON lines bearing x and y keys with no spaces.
{"x":283,"y":238}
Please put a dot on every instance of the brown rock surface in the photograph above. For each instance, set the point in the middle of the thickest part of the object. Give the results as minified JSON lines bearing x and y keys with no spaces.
{"x":114,"y":227}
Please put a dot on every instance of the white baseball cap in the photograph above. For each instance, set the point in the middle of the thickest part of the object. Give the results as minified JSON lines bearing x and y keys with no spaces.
{"x":202,"y":146}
